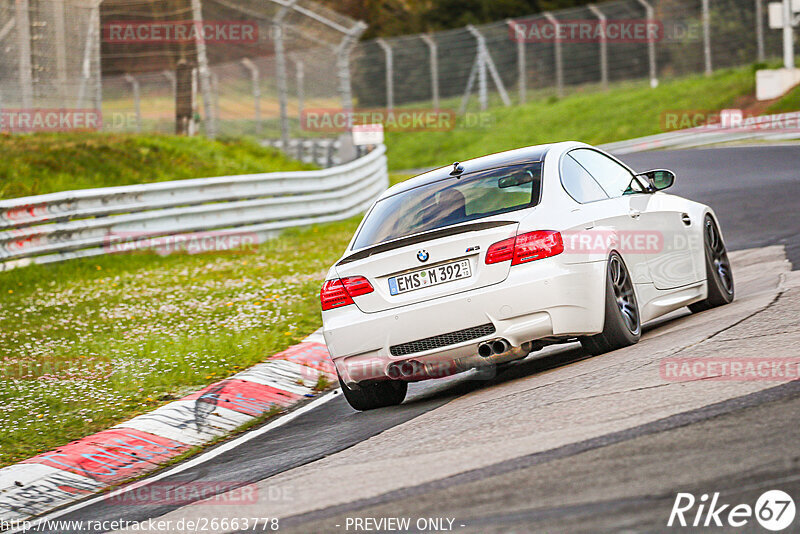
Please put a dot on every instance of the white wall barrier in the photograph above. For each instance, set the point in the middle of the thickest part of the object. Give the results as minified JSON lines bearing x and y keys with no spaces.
{"x":90,"y":222}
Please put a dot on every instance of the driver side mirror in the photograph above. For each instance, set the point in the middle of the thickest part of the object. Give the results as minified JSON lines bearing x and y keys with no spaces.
{"x":659,"y":178}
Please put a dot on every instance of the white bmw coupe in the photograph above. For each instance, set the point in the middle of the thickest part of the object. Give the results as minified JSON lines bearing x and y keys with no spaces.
{"x":480,"y":263}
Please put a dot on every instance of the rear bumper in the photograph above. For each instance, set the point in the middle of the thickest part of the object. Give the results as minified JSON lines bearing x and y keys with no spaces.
{"x":537,"y":300}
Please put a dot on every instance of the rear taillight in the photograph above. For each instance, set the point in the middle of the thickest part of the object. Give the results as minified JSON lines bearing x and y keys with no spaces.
{"x":340,"y":292}
{"x":500,"y":251}
{"x":537,"y":245}
{"x":526,"y":247}
{"x":357,"y":285}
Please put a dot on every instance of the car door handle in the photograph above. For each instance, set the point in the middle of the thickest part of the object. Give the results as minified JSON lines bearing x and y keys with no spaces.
{"x":686,"y":219}
{"x":635,"y":214}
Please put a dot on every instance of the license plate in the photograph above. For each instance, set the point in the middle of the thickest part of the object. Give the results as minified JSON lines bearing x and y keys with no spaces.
{"x":441,"y":274}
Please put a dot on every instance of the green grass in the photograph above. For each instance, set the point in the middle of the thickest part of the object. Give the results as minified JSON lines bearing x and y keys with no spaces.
{"x":44,"y":163}
{"x":629,"y":110}
{"x":87,"y":343}
{"x":788,"y":102}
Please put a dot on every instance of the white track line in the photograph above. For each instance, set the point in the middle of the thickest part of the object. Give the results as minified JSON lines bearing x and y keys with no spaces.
{"x":202,"y":458}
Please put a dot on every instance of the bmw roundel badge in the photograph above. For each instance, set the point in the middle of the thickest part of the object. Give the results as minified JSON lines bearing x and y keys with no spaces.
{"x":423,"y":256}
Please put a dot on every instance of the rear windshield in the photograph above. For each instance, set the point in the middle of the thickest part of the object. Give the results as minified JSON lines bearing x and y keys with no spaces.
{"x":451,"y":201}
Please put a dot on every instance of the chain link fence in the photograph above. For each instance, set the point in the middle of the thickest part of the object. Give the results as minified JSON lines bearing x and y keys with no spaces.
{"x":258,"y":65}
{"x":50,"y":54}
{"x":693,"y":36}
{"x":217,"y":67}
{"x":250,"y":66}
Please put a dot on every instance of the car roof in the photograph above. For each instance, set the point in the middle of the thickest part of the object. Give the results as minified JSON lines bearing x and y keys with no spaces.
{"x":492,"y":161}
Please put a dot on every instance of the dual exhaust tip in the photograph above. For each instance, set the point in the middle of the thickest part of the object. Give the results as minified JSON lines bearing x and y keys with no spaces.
{"x":493,"y":348}
{"x":405,"y":369}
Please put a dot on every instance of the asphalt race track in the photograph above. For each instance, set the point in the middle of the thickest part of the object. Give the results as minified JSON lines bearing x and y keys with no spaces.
{"x":560,"y":442}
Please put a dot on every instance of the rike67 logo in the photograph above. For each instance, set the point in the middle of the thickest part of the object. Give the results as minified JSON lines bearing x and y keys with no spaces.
{"x":774,"y":510}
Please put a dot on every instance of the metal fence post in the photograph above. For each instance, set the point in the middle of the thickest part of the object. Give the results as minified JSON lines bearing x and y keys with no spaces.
{"x":254,"y":76}
{"x":521,"y":69}
{"x":559,"y":60}
{"x":651,"y":43}
{"x":343,"y":65}
{"x":95,"y":22}
{"x":760,"y":29}
{"x":485,"y":63}
{"x":136,"y":100}
{"x":788,"y":35}
{"x":483,"y":94}
{"x":343,"y":73}
{"x":280,"y":67}
{"x":346,"y":149}
{"x":184,"y":98}
{"x":23,"y":24}
{"x":300,"y":73}
{"x":707,"y":38}
{"x":204,"y":72}
{"x":468,"y":91}
{"x":86,"y":62}
{"x":434,"y":62}
{"x":214,"y":83}
{"x":169,"y":75}
{"x":60,"y":46}
{"x":603,"y":45}
{"x":193,"y":123}
{"x":387,"y":51}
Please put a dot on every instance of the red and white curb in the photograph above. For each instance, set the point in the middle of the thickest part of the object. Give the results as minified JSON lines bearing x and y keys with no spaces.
{"x":53,"y":479}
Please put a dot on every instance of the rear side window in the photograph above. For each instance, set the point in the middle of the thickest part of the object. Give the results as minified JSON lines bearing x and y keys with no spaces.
{"x":579,"y":183}
{"x":451,"y":201}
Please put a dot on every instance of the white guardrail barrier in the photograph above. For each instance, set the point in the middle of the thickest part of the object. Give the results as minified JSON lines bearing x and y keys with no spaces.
{"x":779,"y":127}
{"x":71,"y":224}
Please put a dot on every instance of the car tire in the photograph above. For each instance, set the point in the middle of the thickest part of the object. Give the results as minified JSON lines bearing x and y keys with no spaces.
{"x":719,"y":275}
{"x":622,"y":325}
{"x":368,"y":396}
